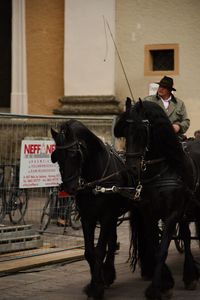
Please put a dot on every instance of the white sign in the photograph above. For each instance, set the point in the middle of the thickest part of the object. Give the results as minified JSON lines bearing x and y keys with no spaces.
{"x":153,"y":87}
{"x":36,"y":168}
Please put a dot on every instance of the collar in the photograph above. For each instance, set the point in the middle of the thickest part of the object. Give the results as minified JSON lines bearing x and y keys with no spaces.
{"x":173,"y":99}
{"x":166,"y":100}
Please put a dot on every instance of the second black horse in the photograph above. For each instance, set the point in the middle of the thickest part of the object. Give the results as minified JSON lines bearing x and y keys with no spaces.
{"x":170,"y":191}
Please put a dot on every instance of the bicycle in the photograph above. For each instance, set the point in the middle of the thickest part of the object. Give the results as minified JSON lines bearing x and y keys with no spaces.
{"x":60,"y":204}
{"x":13,"y":200}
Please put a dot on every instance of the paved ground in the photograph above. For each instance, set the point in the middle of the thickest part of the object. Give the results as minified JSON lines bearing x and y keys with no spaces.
{"x":65,"y":282}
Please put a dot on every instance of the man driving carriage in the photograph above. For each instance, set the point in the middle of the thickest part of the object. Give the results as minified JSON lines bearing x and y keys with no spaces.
{"x":173,"y":106}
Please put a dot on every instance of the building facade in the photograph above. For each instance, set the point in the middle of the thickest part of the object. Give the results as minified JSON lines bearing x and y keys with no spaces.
{"x":87,"y":56}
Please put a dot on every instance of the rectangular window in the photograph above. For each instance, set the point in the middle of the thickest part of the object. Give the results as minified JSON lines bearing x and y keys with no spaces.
{"x":161,"y":59}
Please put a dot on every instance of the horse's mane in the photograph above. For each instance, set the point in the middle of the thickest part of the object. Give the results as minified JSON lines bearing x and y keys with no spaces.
{"x":76,"y":128}
{"x":163,"y":135}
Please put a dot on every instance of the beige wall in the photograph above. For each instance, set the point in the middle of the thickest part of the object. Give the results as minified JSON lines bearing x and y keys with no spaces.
{"x":89,"y":54}
{"x":140,"y":22}
{"x":45,"y":42}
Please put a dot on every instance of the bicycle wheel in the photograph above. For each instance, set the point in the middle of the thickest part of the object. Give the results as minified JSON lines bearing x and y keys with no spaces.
{"x":2,"y":205}
{"x":48,"y":211}
{"x":75,"y":219}
{"x":17,"y":205}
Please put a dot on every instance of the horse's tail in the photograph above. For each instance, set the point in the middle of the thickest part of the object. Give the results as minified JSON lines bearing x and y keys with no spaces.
{"x":133,"y":249}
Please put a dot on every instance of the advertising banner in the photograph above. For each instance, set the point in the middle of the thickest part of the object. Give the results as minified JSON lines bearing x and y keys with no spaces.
{"x":36,"y":168}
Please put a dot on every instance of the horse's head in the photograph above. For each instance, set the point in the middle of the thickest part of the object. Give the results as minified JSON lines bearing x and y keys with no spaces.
{"x":68,"y":154}
{"x":138,"y":132}
{"x":134,"y":126}
{"x":149,"y":134}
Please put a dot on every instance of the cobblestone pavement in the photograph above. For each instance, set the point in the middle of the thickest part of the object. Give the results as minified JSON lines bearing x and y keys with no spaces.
{"x":65,"y":282}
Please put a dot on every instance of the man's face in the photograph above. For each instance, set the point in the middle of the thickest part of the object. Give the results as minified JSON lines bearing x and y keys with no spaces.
{"x":164,"y":92}
{"x":197,"y":135}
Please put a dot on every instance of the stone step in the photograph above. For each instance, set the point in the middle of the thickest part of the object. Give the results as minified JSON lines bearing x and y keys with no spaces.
{"x":20,"y":243}
{"x":20,"y":237}
{"x":18,"y":230}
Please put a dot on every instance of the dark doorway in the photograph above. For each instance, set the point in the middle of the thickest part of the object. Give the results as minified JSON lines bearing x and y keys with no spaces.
{"x":5,"y":51}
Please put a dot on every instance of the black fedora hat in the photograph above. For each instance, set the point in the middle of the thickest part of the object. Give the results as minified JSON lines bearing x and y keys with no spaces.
{"x":167,"y":82}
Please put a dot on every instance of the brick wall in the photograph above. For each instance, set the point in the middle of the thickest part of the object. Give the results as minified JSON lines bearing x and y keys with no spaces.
{"x":45,"y":43}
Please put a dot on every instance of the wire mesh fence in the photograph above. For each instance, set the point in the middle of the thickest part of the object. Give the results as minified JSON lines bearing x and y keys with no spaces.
{"x":37,"y":218}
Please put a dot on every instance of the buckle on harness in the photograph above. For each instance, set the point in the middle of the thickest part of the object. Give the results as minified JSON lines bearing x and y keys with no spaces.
{"x":138,"y":192}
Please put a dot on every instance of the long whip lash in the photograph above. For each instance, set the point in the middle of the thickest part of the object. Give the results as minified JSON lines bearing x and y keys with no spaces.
{"x":105,"y":21}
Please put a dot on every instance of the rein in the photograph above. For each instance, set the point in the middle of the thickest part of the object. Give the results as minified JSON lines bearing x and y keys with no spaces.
{"x":94,"y":183}
{"x":98,"y":181}
{"x":105,"y":178}
{"x":68,"y":146}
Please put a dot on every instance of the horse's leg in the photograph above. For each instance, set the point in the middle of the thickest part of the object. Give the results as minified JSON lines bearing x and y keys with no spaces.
{"x":96,"y":255}
{"x":88,"y":232}
{"x":147,"y":246}
{"x":98,"y":282}
{"x":190,"y":273}
{"x":144,"y":242}
{"x":160,"y":284}
{"x":109,"y":264}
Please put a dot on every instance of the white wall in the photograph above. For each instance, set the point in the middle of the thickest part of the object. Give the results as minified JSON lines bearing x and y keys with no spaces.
{"x":141,"y":22}
{"x":87,"y":45}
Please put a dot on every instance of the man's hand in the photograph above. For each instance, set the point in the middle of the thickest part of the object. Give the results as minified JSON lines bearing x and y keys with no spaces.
{"x":176,"y":127}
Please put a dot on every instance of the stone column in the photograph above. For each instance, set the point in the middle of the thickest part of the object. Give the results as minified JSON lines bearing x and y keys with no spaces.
{"x":89,"y":58}
{"x":19,"y":81}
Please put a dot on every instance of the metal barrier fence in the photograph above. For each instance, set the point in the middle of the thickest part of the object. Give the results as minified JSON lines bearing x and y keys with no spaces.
{"x":20,"y":226}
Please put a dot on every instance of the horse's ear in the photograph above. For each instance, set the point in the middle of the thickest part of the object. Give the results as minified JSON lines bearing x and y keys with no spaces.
{"x":128,"y":104}
{"x":54,"y":158}
{"x":141,"y":103}
{"x":53,"y":133}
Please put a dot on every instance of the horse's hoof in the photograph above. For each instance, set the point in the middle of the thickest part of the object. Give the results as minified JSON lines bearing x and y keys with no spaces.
{"x":88,"y":290}
{"x":152,"y":294}
{"x":146,"y":278}
{"x":91,"y":292}
{"x":167,"y":294}
{"x":191,"y":286}
{"x":109,"y":275}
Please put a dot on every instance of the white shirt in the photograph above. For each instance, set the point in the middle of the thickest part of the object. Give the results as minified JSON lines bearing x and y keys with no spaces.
{"x":166,"y":102}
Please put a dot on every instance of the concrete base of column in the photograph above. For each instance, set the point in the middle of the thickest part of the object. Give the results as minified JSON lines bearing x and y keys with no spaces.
{"x":88,"y":105}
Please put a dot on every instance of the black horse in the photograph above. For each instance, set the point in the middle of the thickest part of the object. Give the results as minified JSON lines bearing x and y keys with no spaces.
{"x":88,"y":168}
{"x":170,"y":191}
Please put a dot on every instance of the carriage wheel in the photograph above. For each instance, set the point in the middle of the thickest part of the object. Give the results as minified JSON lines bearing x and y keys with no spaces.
{"x":17,"y":205}
{"x":178,"y":241}
{"x":179,"y":245}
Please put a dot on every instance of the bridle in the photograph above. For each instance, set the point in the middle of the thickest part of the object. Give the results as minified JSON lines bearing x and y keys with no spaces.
{"x":141,"y":155}
{"x":80,"y":147}
{"x":143,"y":163}
{"x":74,"y":147}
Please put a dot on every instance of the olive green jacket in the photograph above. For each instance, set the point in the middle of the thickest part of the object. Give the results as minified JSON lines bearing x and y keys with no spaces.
{"x":176,"y":111}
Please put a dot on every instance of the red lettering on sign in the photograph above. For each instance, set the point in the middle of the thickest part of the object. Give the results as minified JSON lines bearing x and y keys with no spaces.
{"x":50,"y":148}
{"x":32,"y":149}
